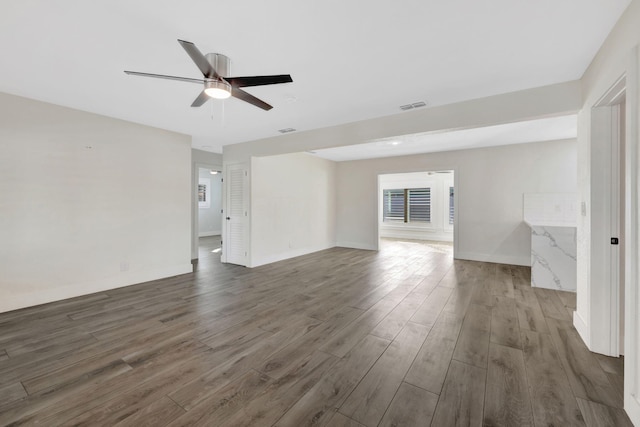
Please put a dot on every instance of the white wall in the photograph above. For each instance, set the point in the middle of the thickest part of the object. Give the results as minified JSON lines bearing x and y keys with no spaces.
{"x":210,"y":218}
{"x":489,"y":183}
{"x":88,"y":203}
{"x":292,"y":206}
{"x":439,"y":228}
{"x":617,"y":56}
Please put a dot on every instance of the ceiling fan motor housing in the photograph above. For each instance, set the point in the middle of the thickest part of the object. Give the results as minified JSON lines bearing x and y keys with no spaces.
{"x":220,"y":63}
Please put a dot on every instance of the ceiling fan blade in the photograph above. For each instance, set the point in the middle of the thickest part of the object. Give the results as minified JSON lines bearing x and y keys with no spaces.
{"x":162,"y":76}
{"x":247,"y":97}
{"x":199,"y":59}
{"x":258,"y":80}
{"x":201,"y":99}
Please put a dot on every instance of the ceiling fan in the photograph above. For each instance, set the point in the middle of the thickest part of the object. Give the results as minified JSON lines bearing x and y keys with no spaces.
{"x":217,"y":84}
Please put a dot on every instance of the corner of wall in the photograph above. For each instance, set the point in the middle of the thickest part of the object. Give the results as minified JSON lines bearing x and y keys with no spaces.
{"x":632,"y":408}
{"x":356,"y":245}
{"x":582,"y":328}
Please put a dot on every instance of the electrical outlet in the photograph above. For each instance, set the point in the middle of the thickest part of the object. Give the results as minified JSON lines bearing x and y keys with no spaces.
{"x":583,"y":208}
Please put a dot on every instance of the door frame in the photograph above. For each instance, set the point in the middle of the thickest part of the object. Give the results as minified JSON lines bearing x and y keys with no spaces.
{"x":606,"y":214}
{"x":632,"y":217}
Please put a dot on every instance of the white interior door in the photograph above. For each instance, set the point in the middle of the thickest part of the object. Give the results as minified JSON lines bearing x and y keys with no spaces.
{"x":236,"y":214}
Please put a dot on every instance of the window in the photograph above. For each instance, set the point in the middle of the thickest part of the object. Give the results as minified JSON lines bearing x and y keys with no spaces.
{"x":451,"y":205}
{"x":393,"y":209}
{"x":419,"y":204}
{"x":407,"y":205}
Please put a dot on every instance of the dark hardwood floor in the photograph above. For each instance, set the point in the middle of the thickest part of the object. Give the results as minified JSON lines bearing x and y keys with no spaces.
{"x":400,"y":337}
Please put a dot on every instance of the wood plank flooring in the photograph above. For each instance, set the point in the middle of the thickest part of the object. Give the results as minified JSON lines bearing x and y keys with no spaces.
{"x":401,"y":337}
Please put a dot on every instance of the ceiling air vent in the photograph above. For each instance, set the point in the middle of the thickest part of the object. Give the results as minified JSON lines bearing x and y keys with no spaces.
{"x":286,"y":130}
{"x":412,"y":106}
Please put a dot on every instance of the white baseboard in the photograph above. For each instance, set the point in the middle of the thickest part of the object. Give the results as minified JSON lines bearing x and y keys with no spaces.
{"x":356,"y":245}
{"x":495,"y":258}
{"x":582,"y":328}
{"x":209,"y":233}
{"x":416,"y":234}
{"x":632,"y":407}
{"x":268,"y":259}
{"x":58,"y":293}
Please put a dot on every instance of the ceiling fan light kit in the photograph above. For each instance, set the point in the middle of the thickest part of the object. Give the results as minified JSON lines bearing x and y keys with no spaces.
{"x":217,"y":89}
{"x":215,"y":70}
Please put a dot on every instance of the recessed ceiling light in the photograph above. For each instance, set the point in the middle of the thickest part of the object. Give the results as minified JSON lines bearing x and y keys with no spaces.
{"x":394,"y":143}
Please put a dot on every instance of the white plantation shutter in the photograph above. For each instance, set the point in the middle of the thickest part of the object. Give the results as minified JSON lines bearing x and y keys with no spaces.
{"x":406,"y":205}
{"x":235,"y":212}
{"x":393,"y":205}
{"x":419,"y":209}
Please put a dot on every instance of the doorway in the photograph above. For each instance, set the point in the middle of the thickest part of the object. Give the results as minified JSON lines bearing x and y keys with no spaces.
{"x":206,"y":217}
{"x":209,"y":202}
{"x":418,"y":206}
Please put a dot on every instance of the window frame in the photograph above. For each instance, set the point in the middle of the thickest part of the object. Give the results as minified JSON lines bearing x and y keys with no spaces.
{"x":406,"y":206}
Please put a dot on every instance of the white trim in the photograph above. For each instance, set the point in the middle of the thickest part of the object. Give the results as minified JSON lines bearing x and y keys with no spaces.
{"x":417,"y":233}
{"x":209,"y":233}
{"x":614,"y":250}
{"x":582,"y":327}
{"x":632,"y":217}
{"x":604,"y":301}
{"x":356,"y":245}
{"x":58,"y":293}
{"x":456,"y":208}
{"x":632,"y":407}
{"x":498,"y":259}
{"x":614,"y":94}
{"x":287,"y":255}
{"x":195,"y":220}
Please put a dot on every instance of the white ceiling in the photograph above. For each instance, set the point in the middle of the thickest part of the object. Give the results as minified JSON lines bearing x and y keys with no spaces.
{"x":548,"y":129}
{"x":350,"y":60}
